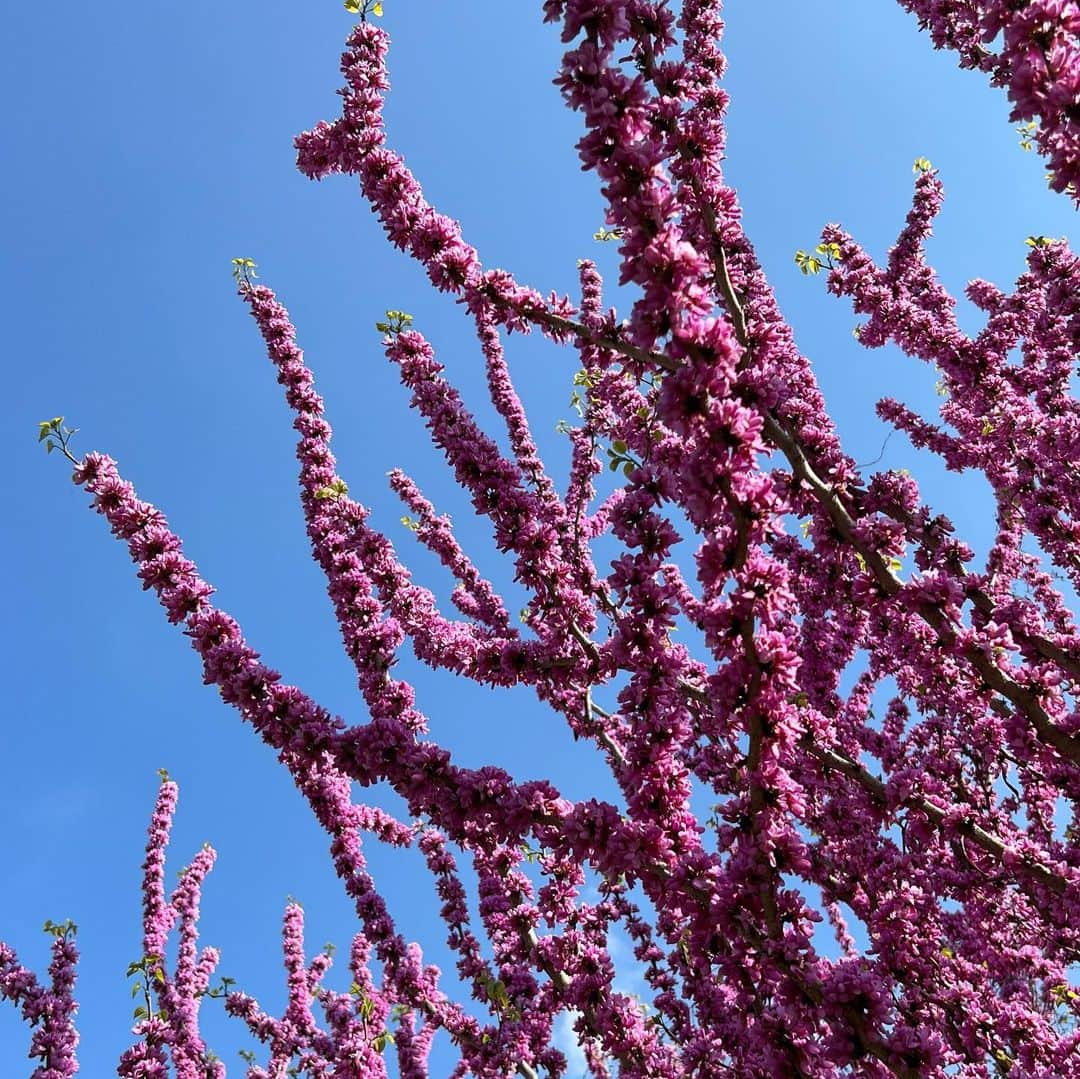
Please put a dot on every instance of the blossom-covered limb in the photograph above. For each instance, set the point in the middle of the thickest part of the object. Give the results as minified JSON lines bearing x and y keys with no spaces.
{"x":1032,"y":50}
{"x":50,"y":1010}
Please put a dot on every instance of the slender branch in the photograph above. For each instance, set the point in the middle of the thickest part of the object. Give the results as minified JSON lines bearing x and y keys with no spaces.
{"x":878,"y":790}
{"x":787,"y":442}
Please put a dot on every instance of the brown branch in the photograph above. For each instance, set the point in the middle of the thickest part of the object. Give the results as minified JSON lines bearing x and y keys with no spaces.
{"x":787,"y":442}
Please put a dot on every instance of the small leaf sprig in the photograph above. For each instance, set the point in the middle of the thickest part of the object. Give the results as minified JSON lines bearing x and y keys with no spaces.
{"x":619,"y":456}
{"x":60,"y":930}
{"x":57,"y":437}
{"x":606,"y":235}
{"x":394,"y":323}
{"x":365,"y":1009}
{"x":825,"y":256}
{"x":1027,"y":133}
{"x":585,"y":380}
{"x":147,"y":972}
{"x":243,"y":271}
{"x":364,"y":8}
{"x":221,"y":990}
{"x":333,"y":491}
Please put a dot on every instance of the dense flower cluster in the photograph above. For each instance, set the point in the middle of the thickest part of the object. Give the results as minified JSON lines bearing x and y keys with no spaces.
{"x":50,"y":1010}
{"x":893,"y":894}
{"x":1032,"y":49}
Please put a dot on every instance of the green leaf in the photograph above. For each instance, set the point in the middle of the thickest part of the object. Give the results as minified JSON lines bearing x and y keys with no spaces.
{"x":395,"y":322}
{"x":921,"y":165}
{"x":338,"y":489}
{"x":498,"y":994}
{"x":808,"y":263}
{"x":243,"y":269}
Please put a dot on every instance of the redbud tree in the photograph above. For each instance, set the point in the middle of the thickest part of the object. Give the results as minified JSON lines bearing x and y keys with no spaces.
{"x":886,"y":727}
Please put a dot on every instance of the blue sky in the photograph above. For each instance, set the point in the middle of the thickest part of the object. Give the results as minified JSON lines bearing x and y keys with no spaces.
{"x":146,"y":147}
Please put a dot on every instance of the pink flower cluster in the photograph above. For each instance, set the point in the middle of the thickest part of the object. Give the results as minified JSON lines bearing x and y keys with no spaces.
{"x":51,"y":1009}
{"x":170,"y":1031}
{"x":1032,"y":49}
{"x":935,"y":843}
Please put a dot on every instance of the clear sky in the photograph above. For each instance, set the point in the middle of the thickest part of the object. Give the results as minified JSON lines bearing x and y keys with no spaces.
{"x":146,"y":146}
